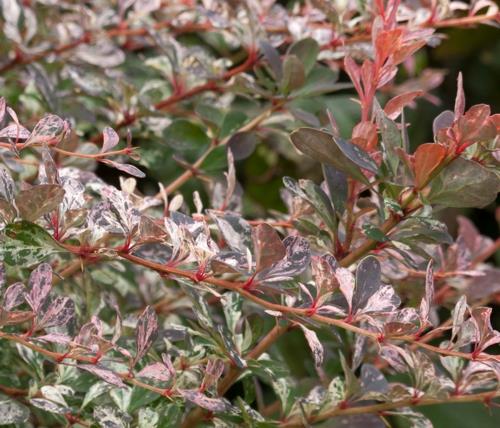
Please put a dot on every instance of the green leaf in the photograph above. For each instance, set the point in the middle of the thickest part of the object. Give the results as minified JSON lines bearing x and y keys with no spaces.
{"x":343,"y":155}
{"x":215,"y":162}
{"x":391,"y":139}
{"x":186,"y":138}
{"x":233,"y":121}
{"x":463,"y":184}
{"x":320,"y":80}
{"x":424,"y":229}
{"x":312,"y":193}
{"x":294,"y":75}
{"x":307,"y":51}
{"x":374,"y":233}
{"x":26,"y":244}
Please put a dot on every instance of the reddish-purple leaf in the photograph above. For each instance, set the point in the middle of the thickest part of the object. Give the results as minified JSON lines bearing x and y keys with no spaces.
{"x":147,"y":328}
{"x":428,"y":157}
{"x":109,"y":139}
{"x":315,"y":345}
{"x":39,"y":200}
{"x":104,"y":374}
{"x":268,"y":248}
{"x":394,"y":106}
{"x":40,"y":284}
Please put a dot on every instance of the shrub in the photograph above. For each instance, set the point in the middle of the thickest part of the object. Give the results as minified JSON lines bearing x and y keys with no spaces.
{"x":127,"y":303}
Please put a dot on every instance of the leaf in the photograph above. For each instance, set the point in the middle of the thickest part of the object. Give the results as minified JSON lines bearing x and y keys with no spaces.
{"x":47,"y":128}
{"x":296,"y":261}
{"x":27,"y":244}
{"x":125,"y":167}
{"x":272,"y":57}
{"x":49,"y":406}
{"x":148,"y":418}
{"x":267,"y":245}
{"x":109,"y":139}
{"x":156,"y":371}
{"x":60,"y":312}
{"x":323,"y":147}
{"x":95,"y":390}
{"x":231,"y":304}
{"x":40,"y":284}
{"x":13,"y":296}
{"x":394,"y":106}
{"x":7,"y":186}
{"x":39,"y":200}
{"x":423,"y":229}
{"x":346,"y":284}
{"x":428,"y":157}
{"x":12,"y":412}
{"x":486,"y":335}
{"x":201,"y":400}
{"x":307,"y":50}
{"x":315,"y":345}
{"x":368,"y":280}
{"x":186,"y":138}
{"x":427,"y":300}
{"x":460,"y":98}
{"x":391,"y":137}
{"x":463,"y":184}
{"x":147,"y":328}
{"x":294,"y":75}
{"x":110,"y":417}
{"x":103,"y":373}
{"x":242,"y":144}
{"x":442,"y":121}
{"x":336,"y":183}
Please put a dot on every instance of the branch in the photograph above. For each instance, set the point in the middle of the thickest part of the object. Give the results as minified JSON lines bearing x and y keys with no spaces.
{"x":384,"y":407}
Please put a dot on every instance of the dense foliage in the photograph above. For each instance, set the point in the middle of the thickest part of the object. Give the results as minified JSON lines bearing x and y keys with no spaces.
{"x":174,"y":298}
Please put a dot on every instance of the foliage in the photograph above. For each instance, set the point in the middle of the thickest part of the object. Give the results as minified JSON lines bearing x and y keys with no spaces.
{"x":129,"y":303}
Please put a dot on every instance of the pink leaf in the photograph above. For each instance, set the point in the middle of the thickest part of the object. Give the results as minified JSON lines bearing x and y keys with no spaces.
{"x":13,"y":296}
{"x":40,"y":284}
{"x":147,"y":327}
{"x":156,"y":371}
{"x":200,"y":399}
{"x":15,"y":131}
{"x":104,"y":374}
{"x":60,"y":312}
{"x":110,"y":139}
